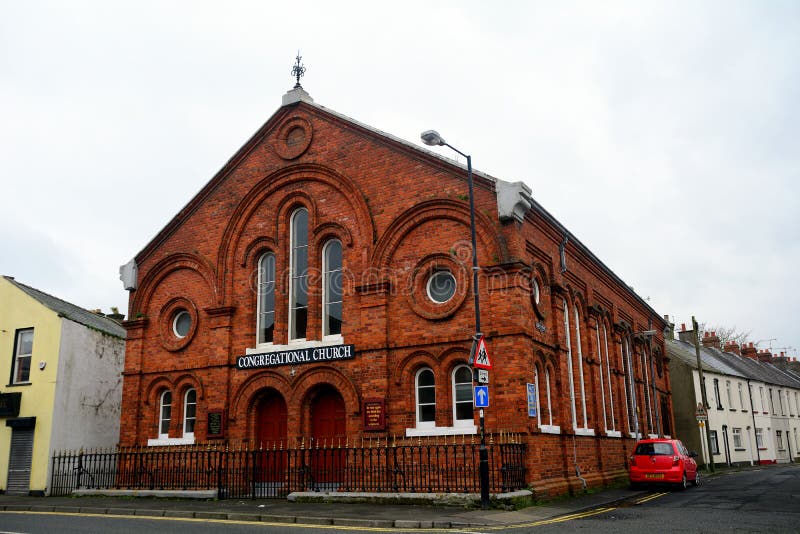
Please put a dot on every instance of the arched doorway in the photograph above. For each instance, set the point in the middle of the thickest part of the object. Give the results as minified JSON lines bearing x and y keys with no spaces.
{"x":329,"y":431}
{"x":271,"y":462}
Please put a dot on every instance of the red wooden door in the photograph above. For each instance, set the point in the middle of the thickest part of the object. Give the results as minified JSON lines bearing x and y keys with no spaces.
{"x":328,"y":430}
{"x":271,"y":437}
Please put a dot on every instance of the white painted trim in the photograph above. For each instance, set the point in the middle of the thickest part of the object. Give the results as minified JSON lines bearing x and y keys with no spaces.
{"x":550,"y":429}
{"x":161,"y":442}
{"x":442,"y":431}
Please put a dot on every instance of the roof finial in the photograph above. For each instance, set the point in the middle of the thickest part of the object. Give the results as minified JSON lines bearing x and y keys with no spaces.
{"x":298,"y":70}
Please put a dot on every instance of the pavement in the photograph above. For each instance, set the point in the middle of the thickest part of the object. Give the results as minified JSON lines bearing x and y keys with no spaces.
{"x":341,"y":514}
{"x":405,"y":516}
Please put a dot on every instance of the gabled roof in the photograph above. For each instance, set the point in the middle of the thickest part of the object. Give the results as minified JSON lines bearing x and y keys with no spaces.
{"x":685,"y":353}
{"x":731,"y":364}
{"x":71,"y":311}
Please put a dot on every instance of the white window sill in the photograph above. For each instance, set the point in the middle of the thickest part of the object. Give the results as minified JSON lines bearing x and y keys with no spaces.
{"x":550,"y":429}
{"x":441,"y":431}
{"x":613,"y":434}
{"x":296,"y":344}
{"x":584,"y":431}
{"x":635,"y":436}
{"x":162,"y":442}
{"x":652,"y":436}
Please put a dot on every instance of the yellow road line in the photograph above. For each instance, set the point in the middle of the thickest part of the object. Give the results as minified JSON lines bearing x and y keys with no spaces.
{"x":651,"y":497}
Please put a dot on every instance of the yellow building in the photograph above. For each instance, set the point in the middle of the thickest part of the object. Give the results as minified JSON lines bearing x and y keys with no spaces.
{"x":64,"y":367}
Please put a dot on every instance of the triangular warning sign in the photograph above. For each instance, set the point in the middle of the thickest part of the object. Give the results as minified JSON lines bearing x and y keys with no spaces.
{"x":482,"y":360}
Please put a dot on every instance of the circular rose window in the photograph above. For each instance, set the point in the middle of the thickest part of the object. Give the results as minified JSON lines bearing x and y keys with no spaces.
{"x":441,"y":286}
{"x":182,"y":324}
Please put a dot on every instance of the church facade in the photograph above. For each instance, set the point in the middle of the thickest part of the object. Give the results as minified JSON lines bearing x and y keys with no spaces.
{"x":318,"y":289}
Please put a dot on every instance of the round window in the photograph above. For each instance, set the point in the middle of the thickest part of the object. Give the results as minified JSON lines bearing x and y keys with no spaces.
{"x":535,"y":291}
{"x":441,"y":286}
{"x":182,"y":324}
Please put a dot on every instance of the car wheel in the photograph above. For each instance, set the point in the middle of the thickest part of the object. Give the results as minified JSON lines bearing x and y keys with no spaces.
{"x":684,"y":482}
{"x":696,"y":481}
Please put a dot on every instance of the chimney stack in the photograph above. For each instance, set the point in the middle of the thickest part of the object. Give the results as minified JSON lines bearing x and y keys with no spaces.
{"x":732,"y":346}
{"x":765,"y":356}
{"x":749,"y":351}
{"x":669,"y":331}
{"x":686,"y":336}
{"x":710,"y":339}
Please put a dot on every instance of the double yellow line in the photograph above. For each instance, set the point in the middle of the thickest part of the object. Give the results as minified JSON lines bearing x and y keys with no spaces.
{"x":651,"y":497}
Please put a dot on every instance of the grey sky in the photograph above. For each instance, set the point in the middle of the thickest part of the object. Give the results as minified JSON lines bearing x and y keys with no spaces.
{"x":663,"y":134}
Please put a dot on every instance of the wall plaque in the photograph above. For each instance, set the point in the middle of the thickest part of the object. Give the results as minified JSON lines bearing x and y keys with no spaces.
{"x":374,"y":414}
{"x":216,"y":424}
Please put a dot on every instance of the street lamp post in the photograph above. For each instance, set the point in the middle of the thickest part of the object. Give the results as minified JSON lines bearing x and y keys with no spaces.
{"x":432,"y":138}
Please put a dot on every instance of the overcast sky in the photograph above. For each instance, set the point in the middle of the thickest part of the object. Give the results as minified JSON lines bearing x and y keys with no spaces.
{"x":664,"y":135}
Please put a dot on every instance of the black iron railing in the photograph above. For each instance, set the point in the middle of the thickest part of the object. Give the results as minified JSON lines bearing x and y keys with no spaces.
{"x":426,"y":465}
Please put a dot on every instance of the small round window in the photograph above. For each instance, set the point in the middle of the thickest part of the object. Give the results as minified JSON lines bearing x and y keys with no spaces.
{"x":441,"y":286}
{"x":182,"y":324}
{"x":535,"y":291}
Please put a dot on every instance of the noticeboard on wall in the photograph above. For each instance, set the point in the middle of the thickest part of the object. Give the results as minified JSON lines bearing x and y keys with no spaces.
{"x":216,"y":424}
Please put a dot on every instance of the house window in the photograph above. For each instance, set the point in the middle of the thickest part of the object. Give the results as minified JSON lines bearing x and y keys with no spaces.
{"x":266,"y":298}
{"x":569,"y":365}
{"x":763,"y":404}
{"x":789,"y":403}
{"x":463,"y":411}
{"x":189,"y":412}
{"x":771,"y":402}
{"x":602,"y":377}
{"x":714,"y":442}
{"x":21,"y":370}
{"x":728,"y":394}
{"x":332,"y":288}
{"x":545,"y":409}
{"x":716,"y":394}
{"x":630,"y":395}
{"x":737,"y":438}
{"x":298,"y":275}
{"x":164,"y":414}
{"x":780,"y":401}
{"x":608,"y":376}
{"x":426,"y":398}
{"x":759,"y":438}
{"x":779,"y":439}
{"x":741,"y":397}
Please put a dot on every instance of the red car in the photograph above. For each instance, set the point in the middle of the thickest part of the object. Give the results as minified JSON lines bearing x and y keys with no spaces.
{"x":663,"y":461}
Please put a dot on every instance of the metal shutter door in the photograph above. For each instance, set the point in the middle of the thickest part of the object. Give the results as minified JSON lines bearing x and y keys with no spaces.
{"x":19,"y":464}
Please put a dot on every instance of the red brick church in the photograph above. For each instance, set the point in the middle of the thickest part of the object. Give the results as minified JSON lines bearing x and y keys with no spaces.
{"x":318,"y":289}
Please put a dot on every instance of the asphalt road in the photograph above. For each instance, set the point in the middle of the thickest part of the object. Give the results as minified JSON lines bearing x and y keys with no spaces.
{"x":761,"y":500}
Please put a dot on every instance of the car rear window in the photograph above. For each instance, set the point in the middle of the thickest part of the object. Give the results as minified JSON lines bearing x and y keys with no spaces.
{"x":654,"y":449}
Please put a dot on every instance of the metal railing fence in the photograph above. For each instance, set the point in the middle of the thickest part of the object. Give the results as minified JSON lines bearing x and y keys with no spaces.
{"x":426,"y":465}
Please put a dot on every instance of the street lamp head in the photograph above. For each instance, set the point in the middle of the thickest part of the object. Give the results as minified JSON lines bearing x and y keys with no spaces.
{"x":432,"y":138}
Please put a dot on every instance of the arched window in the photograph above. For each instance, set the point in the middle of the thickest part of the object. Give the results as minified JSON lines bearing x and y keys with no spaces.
{"x":579,"y":362}
{"x":569,"y":365}
{"x":629,"y":398}
{"x":645,"y":371}
{"x":425,"y":385}
{"x":602,"y":377}
{"x":613,"y":426}
{"x":189,"y":412}
{"x":298,"y":275}
{"x":463,"y":411}
{"x":164,"y":414}
{"x":265,"y":326}
{"x":548,"y":398}
{"x":332,"y":288}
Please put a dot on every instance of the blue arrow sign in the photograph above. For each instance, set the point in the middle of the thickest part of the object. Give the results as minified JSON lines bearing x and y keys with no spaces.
{"x":481,"y":396}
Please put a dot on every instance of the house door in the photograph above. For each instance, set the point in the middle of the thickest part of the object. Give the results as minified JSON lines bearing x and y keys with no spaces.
{"x":328,"y":431}
{"x":19,"y":462}
{"x":271,"y":439}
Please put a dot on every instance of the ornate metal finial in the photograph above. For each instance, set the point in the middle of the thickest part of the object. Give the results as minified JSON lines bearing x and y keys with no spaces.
{"x":298,"y":70}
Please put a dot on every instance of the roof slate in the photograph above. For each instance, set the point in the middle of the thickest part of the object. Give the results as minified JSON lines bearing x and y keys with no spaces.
{"x":71,"y":311}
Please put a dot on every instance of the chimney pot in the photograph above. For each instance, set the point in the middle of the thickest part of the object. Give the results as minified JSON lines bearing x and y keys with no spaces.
{"x":683,"y":327}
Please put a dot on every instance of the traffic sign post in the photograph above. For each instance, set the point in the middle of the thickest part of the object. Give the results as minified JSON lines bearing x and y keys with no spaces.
{"x":481,"y":396}
{"x":482,"y":376}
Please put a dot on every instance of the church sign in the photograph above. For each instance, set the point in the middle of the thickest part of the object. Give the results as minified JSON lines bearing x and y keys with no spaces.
{"x":328,"y":353}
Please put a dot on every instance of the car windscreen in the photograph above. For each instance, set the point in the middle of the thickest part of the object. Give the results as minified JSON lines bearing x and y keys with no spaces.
{"x":654,"y":449}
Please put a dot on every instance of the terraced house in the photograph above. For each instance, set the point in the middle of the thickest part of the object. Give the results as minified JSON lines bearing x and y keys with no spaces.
{"x":317,"y":292}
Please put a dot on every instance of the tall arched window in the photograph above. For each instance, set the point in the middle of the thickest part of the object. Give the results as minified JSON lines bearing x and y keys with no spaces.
{"x":164,"y":414}
{"x":613,"y":419}
{"x":647,"y":392}
{"x":265,"y":326}
{"x":548,"y":396}
{"x":579,"y":362}
{"x":426,"y":398}
{"x":189,"y":412}
{"x":602,"y":377}
{"x":332,"y":288}
{"x":298,"y":275}
{"x":463,"y":410}
{"x":544,"y":411}
{"x":569,"y":365}
{"x":630,"y":394}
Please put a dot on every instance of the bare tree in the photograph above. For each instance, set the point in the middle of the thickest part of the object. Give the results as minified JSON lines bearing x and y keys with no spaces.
{"x":726,"y":334}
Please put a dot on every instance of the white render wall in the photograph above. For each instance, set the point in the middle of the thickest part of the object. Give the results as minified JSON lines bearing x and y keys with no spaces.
{"x":88,"y":392}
